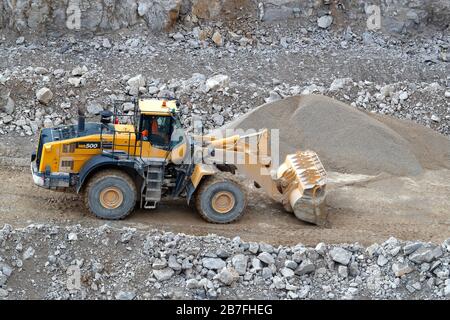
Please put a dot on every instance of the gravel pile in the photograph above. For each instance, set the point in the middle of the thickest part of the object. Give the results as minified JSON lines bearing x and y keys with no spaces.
{"x":347,"y":139}
{"x":73,"y":262}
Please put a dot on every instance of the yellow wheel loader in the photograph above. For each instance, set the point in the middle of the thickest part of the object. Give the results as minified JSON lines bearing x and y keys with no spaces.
{"x":141,"y":156}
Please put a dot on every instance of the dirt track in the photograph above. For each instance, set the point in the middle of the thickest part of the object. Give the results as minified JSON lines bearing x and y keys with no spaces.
{"x":363,"y":209}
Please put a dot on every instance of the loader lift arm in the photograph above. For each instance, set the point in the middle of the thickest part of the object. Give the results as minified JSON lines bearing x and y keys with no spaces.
{"x":299,"y":184}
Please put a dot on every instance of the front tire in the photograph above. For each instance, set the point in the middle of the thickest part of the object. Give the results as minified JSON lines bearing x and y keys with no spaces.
{"x":111,"y":194}
{"x":221,"y":198}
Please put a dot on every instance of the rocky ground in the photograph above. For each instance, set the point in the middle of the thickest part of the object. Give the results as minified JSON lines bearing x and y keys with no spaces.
{"x":43,"y":81}
{"x":54,"y":262}
{"x":220,"y":71}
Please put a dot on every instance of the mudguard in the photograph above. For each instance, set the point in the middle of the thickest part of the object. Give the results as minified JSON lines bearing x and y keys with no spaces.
{"x":96,"y":163}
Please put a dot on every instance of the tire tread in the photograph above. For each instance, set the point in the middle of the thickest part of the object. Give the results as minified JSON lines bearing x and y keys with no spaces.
{"x":105,"y":174}
{"x":210,"y":180}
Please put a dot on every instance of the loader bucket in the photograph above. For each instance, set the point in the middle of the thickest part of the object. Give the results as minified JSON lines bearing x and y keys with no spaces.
{"x":310,"y":209}
{"x":303,"y":183}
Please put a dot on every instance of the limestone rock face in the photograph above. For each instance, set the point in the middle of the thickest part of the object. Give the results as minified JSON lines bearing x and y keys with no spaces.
{"x":94,"y":15}
{"x":398,"y":16}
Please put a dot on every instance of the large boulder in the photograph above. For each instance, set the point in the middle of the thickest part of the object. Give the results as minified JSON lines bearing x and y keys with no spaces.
{"x":44,"y":95}
{"x":6,"y":102}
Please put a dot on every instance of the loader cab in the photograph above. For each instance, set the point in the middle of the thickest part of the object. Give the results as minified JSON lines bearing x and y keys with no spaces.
{"x":156,"y":130}
{"x":159,"y":124}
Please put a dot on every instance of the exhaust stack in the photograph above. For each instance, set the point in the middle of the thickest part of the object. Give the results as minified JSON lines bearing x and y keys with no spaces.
{"x":81,"y":121}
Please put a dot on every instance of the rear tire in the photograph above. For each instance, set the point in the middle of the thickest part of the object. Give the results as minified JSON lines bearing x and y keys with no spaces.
{"x":111,"y":194}
{"x":221,"y":198}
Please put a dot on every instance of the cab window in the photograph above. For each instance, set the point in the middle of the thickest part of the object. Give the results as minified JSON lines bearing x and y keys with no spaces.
{"x":156,"y":129}
{"x":177,"y":136}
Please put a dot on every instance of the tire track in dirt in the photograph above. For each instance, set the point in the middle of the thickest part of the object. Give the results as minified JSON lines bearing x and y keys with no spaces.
{"x":22,"y":203}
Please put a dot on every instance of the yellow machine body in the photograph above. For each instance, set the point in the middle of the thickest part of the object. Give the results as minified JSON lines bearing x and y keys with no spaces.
{"x":66,"y":156}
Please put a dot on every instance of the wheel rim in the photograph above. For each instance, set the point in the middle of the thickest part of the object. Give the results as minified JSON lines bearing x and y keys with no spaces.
{"x":111,"y":197}
{"x":223,"y":202}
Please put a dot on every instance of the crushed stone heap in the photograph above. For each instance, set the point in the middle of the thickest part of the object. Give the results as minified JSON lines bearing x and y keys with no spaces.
{"x":347,"y":139}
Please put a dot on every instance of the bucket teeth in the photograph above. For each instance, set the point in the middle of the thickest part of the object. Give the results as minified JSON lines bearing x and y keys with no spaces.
{"x":306,"y":182}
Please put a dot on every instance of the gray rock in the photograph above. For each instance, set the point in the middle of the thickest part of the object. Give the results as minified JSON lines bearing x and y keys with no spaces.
{"x":97,"y":267}
{"x":213,"y":263}
{"x":228,"y":276}
{"x":353,"y":269}
{"x":305,"y":267}
{"x":273,"y":96}
{"x":256,"y":264}
{"x":343,"y":271}
{"x":192,"y":284}
{"x":400,"y":269}
{"x":287,"y":273}
{"x":72,"y":236}
{"x":266,"y":258}
{"x":240,"y":263}
{"x":325,"y":22}
{"x":29,"y":253}
{"x":387,"y":91}
{"x":339,"y":84}
{"x":218,"y":119}
{"x":125,"y":295}
{"x":59,"y":73}
{"x":20,"y":40}
{"x":218,"y":81}
{"x":371,"y":250}
{"x":264,"y":247}
{"x":266,"y":273}
{"x":447,"y":291}
{"x":426,"y":254}
{"x":5,"y":269}
{"x":303,"y":293}
{"x":44,"y":95}
{"x":290,"y":264}
{"x":403,"y":95}
{"x":3,"y":279}
{"x":3,"y":293}
{"x":135,"y":84}
{"x":321,"y":248}
{"x":222,"y":253}
{"x":153,"y":90}
{"x":40,"y":70}
{"x":163,"y":274}
{"x":253,"y":247}
{"x":411,"y":247}
{"x":79,"y":71}
{"x":279,"y":282}
{"x":299,"y":255}
{"x":106,"y":43}
{"x":382,"y":261}
{"x":75,"y":81}
{"x":340,"y":255}
{"x":7,"y":119}
{"x":159,"y":264}
{"x":435,"y":118}
{"x":178,"y":36}
{"x":173,"y":263}
{"x":8,"y":107}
